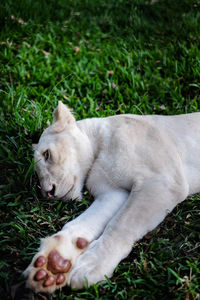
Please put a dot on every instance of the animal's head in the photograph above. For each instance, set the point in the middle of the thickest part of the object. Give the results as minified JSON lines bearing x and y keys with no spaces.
{"x":62,"y":156}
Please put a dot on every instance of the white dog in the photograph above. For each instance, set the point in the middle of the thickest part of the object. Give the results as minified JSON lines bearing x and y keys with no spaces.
{"x":138,"y":168}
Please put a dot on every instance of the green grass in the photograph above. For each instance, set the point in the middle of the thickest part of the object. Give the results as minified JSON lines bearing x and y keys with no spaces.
{"x":154,"y":55}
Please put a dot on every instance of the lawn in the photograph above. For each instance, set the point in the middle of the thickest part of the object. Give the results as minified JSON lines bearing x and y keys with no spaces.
{"x":100,"y":58}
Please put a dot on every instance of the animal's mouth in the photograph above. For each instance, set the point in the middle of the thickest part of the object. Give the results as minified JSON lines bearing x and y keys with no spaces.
{"x":51,"y":193}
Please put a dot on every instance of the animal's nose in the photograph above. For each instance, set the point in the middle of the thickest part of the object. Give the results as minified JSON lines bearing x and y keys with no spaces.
{"x":51,"y":193}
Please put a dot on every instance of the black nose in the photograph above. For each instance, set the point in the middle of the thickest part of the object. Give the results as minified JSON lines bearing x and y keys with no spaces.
{"x":51,"y":193}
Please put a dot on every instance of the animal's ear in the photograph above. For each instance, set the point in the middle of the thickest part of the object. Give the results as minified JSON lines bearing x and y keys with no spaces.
{"x":34,"y":146}
{"x":62,"y":117}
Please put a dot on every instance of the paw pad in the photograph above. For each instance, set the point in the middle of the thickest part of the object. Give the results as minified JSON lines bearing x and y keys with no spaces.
{"x":56,"y":264}
{"x":50,"y":270}
{"x":41,"y":274}
{"x":49,"y":281}
{"x":40,"y":261}
{"x":60,"y":279}
{"x":81,"y":243}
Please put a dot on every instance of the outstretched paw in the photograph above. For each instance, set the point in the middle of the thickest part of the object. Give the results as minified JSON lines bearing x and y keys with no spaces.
{"x":57,"y":267}
{"x":50,"y":268}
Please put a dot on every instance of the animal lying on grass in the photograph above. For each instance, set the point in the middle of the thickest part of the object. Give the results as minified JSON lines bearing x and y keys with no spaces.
{"x":138,"y":168}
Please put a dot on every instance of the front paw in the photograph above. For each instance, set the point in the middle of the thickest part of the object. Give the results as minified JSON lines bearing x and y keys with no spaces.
{"x":51,"y":266}
{"x":93,"y":266}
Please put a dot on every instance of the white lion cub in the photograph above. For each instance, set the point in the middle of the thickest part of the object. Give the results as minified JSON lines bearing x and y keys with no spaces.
{"x":138,"y":168}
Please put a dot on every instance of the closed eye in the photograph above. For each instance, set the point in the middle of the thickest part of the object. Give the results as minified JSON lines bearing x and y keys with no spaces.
{"x":46,"y":155}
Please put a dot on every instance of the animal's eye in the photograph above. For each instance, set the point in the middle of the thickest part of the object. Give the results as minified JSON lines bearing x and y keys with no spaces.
{"x":46,"y":155}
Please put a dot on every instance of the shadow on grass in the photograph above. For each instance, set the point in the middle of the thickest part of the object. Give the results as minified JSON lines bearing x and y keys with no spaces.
{"x":162,"y":20}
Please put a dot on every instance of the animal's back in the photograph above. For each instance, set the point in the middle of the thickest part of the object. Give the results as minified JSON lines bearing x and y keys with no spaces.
{"x":184,"y":132}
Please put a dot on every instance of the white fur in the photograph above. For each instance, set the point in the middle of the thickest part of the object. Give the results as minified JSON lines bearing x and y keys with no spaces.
{"x":138,"y":168}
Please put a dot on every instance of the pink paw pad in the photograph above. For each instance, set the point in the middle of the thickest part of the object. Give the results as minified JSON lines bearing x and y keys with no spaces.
{"x":81,"y":243}
{"x":40,"y":261}
{"x":56,"y":264}
{"x":52,"y":268}
{"x":60,"y":279}
{"x":41,"y":274}
{"x":49,"y":281}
